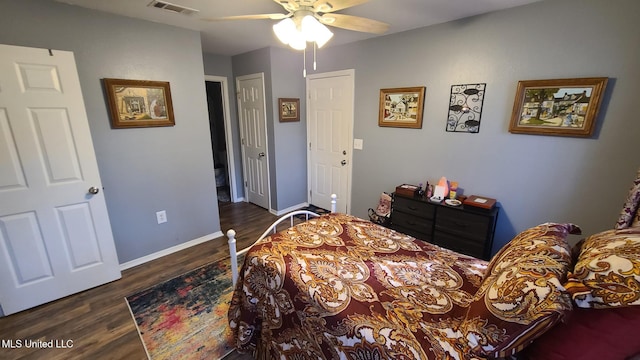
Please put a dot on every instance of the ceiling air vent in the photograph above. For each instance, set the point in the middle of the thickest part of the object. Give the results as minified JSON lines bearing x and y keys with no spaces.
{"x":172,"y":7}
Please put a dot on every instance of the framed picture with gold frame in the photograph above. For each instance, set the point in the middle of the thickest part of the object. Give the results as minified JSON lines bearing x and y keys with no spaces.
{"x":139,"y":103}
{"x":562,"y":107}
{"x":401,"y":107}
{"x":289,"y":109}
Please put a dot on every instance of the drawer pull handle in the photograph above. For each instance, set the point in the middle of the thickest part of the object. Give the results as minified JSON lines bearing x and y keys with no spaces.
{"x":412,"y":208}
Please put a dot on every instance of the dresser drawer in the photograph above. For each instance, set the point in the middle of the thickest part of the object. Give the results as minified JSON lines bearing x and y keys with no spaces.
{"x":414,"y":207}
{"x":416,"y":234}
{"x":415,"y":224}
{"x":460,"y":244}
{"x":466,"y":224}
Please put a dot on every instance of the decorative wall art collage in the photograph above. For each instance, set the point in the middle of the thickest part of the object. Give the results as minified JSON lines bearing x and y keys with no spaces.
{"x":560,"y":107}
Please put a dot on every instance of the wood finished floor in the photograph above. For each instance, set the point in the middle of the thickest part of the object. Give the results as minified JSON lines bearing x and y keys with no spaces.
{"x":98,"y":320}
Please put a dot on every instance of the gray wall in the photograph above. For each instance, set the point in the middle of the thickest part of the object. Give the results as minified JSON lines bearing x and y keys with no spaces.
{"x":142,"y":170}
{"x":218,"y":65}
{"x":289,"y":137}
{"x":283,"y":78}
{"x":535,"y":178}
{"x":254,"y":62}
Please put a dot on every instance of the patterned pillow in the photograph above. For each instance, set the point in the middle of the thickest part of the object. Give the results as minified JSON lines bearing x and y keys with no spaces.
{"x":630,"y":216}
{"x":636,"y":220}
{"x":607,"y":273}
{"x":521,"y":295}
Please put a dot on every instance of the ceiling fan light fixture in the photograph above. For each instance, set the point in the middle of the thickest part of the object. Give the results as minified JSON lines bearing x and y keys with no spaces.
{"x":314,"y":31}
{"x":298,"y":41}
{"x":285,"y":30}
{"x":323,"y":35}
{"x":297,"y":33}
{"x":309,"y":27}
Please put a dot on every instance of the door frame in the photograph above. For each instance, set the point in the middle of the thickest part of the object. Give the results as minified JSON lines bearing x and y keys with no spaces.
{"x":227,"y":132}
{"x":350,"y":73}
{"x":266,"y":136}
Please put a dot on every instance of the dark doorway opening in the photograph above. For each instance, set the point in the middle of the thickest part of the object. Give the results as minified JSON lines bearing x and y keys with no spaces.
{"x":218,"y":140}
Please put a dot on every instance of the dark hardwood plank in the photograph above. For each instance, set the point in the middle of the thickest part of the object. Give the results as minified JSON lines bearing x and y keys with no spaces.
{"x":98,"y":320}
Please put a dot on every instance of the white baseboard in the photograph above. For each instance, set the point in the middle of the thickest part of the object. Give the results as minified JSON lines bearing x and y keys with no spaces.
{"x":171,"y":250}
{"x":289,"y":209}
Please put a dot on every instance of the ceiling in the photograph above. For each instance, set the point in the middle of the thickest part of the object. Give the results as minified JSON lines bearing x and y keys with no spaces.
{"x":240,"y":36}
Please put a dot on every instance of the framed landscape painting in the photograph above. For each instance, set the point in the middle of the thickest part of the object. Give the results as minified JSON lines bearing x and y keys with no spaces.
{"x":401,"y":107}
{"x":563,"y":107}
{"x":139,"y":103}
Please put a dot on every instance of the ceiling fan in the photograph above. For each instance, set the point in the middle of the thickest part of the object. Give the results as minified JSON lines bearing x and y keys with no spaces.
{"x":304,"y":12}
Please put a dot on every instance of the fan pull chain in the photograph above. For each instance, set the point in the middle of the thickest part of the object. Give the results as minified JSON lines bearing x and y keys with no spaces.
{"x":304,"y":63}
{"x":314,"y":55}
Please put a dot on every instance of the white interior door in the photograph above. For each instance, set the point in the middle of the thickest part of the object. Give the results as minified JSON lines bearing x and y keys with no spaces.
{"x":55,"y":236}
{"x":330,"y":135}
{"x":253,"y":133}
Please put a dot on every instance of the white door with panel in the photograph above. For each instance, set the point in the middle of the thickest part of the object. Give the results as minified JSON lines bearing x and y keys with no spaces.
{"x":55,"y":236}
{"x":253,"y":133}
{"x":330,"y":99}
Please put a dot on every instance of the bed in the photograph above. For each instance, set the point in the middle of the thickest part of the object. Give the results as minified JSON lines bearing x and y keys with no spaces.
{"x":339,"y":287}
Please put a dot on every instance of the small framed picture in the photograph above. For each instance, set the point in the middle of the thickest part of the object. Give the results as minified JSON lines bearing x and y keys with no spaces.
{"x":563,"y":107}
{"x":401,"y":107}
{"x":289,"y":109}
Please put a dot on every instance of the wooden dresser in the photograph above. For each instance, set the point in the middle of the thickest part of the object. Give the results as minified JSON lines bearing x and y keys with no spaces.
{"x":464,"y":229}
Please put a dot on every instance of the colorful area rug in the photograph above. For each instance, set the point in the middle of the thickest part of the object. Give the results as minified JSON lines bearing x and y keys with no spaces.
{"x":186,"y":317}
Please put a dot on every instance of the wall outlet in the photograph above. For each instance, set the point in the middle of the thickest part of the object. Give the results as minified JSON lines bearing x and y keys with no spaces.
{"x":161,"y":216}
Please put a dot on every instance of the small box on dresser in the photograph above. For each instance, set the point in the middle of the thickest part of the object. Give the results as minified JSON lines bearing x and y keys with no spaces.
{"x":407,"y":190}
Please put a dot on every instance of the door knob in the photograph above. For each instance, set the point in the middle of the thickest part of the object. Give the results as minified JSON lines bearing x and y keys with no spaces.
{"x":343,"y":162}
{"x":94,"y":190}
{"x":261,"y":154}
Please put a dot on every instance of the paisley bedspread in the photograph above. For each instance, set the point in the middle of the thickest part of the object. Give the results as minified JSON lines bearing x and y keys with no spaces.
{"x":339,"y":287}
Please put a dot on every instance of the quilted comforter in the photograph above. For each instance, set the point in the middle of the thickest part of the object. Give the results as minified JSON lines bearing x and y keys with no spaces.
{"x":339,"y":287}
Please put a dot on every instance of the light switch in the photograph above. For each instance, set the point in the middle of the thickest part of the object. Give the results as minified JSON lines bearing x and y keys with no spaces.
{"x":357,"y":144}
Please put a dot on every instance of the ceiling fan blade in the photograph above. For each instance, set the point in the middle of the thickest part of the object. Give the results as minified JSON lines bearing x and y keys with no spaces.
{"x":289,"y":5}
{"x":276,"y":16}
{"x":355,"y":23}
{"x":326,"y":6}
